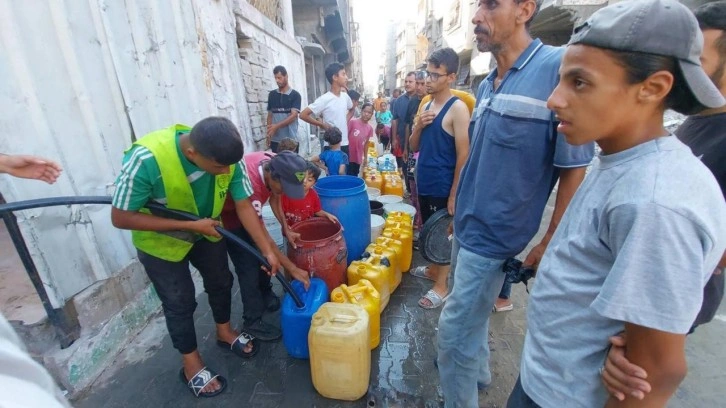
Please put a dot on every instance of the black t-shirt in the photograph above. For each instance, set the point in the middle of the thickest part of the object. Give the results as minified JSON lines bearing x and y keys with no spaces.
{"x":706,"y":136}
{"x":278,"y":102}
{"x":280,"y":105}
{"x":412,"y":109}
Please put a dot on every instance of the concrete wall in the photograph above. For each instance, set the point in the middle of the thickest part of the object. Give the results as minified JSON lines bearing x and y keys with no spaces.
{"x":262,"y":46}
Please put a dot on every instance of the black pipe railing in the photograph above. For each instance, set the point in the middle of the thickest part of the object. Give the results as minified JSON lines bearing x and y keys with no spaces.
{"x":67,"y":331}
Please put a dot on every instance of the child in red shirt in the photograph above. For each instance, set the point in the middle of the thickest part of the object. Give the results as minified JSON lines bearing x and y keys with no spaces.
{"x":309,"y":206}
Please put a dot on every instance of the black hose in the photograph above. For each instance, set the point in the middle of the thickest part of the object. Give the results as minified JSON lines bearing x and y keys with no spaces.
{"x":56,"y":201}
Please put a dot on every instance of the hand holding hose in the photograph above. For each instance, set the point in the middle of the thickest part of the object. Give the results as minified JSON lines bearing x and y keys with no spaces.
{"x":274,"y":264}
{"x":206,"y":226}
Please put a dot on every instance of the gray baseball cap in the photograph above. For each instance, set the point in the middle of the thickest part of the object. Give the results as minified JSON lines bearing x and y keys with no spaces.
{"x":660,"y":27}
{"x":290,"y":168}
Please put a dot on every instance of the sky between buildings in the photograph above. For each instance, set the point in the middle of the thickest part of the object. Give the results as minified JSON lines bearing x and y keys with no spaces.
{"x":374,"y":18}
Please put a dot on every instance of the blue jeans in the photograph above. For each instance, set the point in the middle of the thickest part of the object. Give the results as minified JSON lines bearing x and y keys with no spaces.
{"x":463,"y":344}
{"x":506,"y":290}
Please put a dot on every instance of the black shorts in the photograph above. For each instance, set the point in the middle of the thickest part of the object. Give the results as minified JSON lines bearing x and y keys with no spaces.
{"x":429,"y":205}
{"x":353,"y":169}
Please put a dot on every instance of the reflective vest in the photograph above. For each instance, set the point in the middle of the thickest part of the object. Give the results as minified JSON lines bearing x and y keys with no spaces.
{"x":175,"y":245}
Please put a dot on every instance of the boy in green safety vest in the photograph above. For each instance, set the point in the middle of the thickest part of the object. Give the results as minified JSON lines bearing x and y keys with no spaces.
{"x":190,"y":170}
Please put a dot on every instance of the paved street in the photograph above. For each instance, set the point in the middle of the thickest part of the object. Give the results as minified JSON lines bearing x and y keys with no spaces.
{"x":402,"y":374}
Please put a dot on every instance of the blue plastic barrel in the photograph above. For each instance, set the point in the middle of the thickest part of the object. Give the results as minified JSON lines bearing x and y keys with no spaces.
{"x":346,"y":198}
{"x":295,"y":321}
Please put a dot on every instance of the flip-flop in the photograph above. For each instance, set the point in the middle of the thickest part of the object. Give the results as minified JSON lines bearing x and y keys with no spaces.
{"x":201,"y":380}
{"x":507,"y":308}
{"x":420,"y":272}
{"x":433,"y":297}
{"x":238,"y":345}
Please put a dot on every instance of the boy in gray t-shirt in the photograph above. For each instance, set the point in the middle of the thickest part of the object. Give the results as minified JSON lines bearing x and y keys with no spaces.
{"x":646,"y":228}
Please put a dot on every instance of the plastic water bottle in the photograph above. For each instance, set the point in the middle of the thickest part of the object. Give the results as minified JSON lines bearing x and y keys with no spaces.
{"x":387,"y":165}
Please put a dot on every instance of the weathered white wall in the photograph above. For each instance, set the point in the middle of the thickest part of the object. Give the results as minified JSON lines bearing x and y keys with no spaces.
{"x":80,"y":80}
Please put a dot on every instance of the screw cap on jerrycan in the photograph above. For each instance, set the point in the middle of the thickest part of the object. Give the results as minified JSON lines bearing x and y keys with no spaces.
{"x":295,"y":321}
{"x":365,"y":295}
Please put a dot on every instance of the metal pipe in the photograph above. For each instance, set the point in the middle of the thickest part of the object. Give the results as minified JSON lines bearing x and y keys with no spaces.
{"x":66,"y":331}
{"x":58,"y":320}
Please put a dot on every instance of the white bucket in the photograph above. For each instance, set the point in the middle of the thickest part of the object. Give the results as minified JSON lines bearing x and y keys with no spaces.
{"x":377,"y":223}
{"x":273,"y":226}
{"x":403,"y":207}
{"x":373,"y":193}
{"x":389,"y":199}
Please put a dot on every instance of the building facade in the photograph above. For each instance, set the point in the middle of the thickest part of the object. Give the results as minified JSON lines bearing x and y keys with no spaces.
{"x":389,"y":65}
{"x":406,"y":41}
{"x":328,"y":34}
{"x":84,"y":80}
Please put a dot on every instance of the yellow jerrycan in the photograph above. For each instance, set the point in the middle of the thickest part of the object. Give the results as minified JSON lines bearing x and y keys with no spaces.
{"x":394,"y":276}
{"x":406,"y":240}
{"x":374,"y":269}
{"x":340,"y":356}
{"x":400,"y":217}
{"x":365,"y":295}
{"x":374,"y":179}
{"x":393,"y":185}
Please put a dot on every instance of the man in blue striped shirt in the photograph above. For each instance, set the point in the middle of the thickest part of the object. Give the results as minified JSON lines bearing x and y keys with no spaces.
{"x":516,"y":159}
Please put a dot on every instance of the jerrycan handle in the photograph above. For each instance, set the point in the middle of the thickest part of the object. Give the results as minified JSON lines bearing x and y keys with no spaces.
{"x":346,"y":321}
{"x":385,"y":261}
{"x":352,"y":292}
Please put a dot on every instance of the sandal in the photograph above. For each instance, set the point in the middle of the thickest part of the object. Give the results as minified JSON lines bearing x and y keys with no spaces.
{"x":201,"y":380}
{"x":420,"y":272}
{"x":433,"y":297}
{"x":238,"y":345}
{"x":506,"y":308}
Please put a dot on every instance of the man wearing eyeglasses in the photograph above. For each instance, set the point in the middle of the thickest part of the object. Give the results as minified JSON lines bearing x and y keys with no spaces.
{"x":442,"y":140}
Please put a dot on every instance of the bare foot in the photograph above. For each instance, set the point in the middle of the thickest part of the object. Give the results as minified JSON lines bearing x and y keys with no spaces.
{"x":430,"y":273}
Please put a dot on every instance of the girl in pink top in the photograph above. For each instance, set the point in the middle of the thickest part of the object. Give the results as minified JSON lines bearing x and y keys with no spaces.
{"x":359,"y":131}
